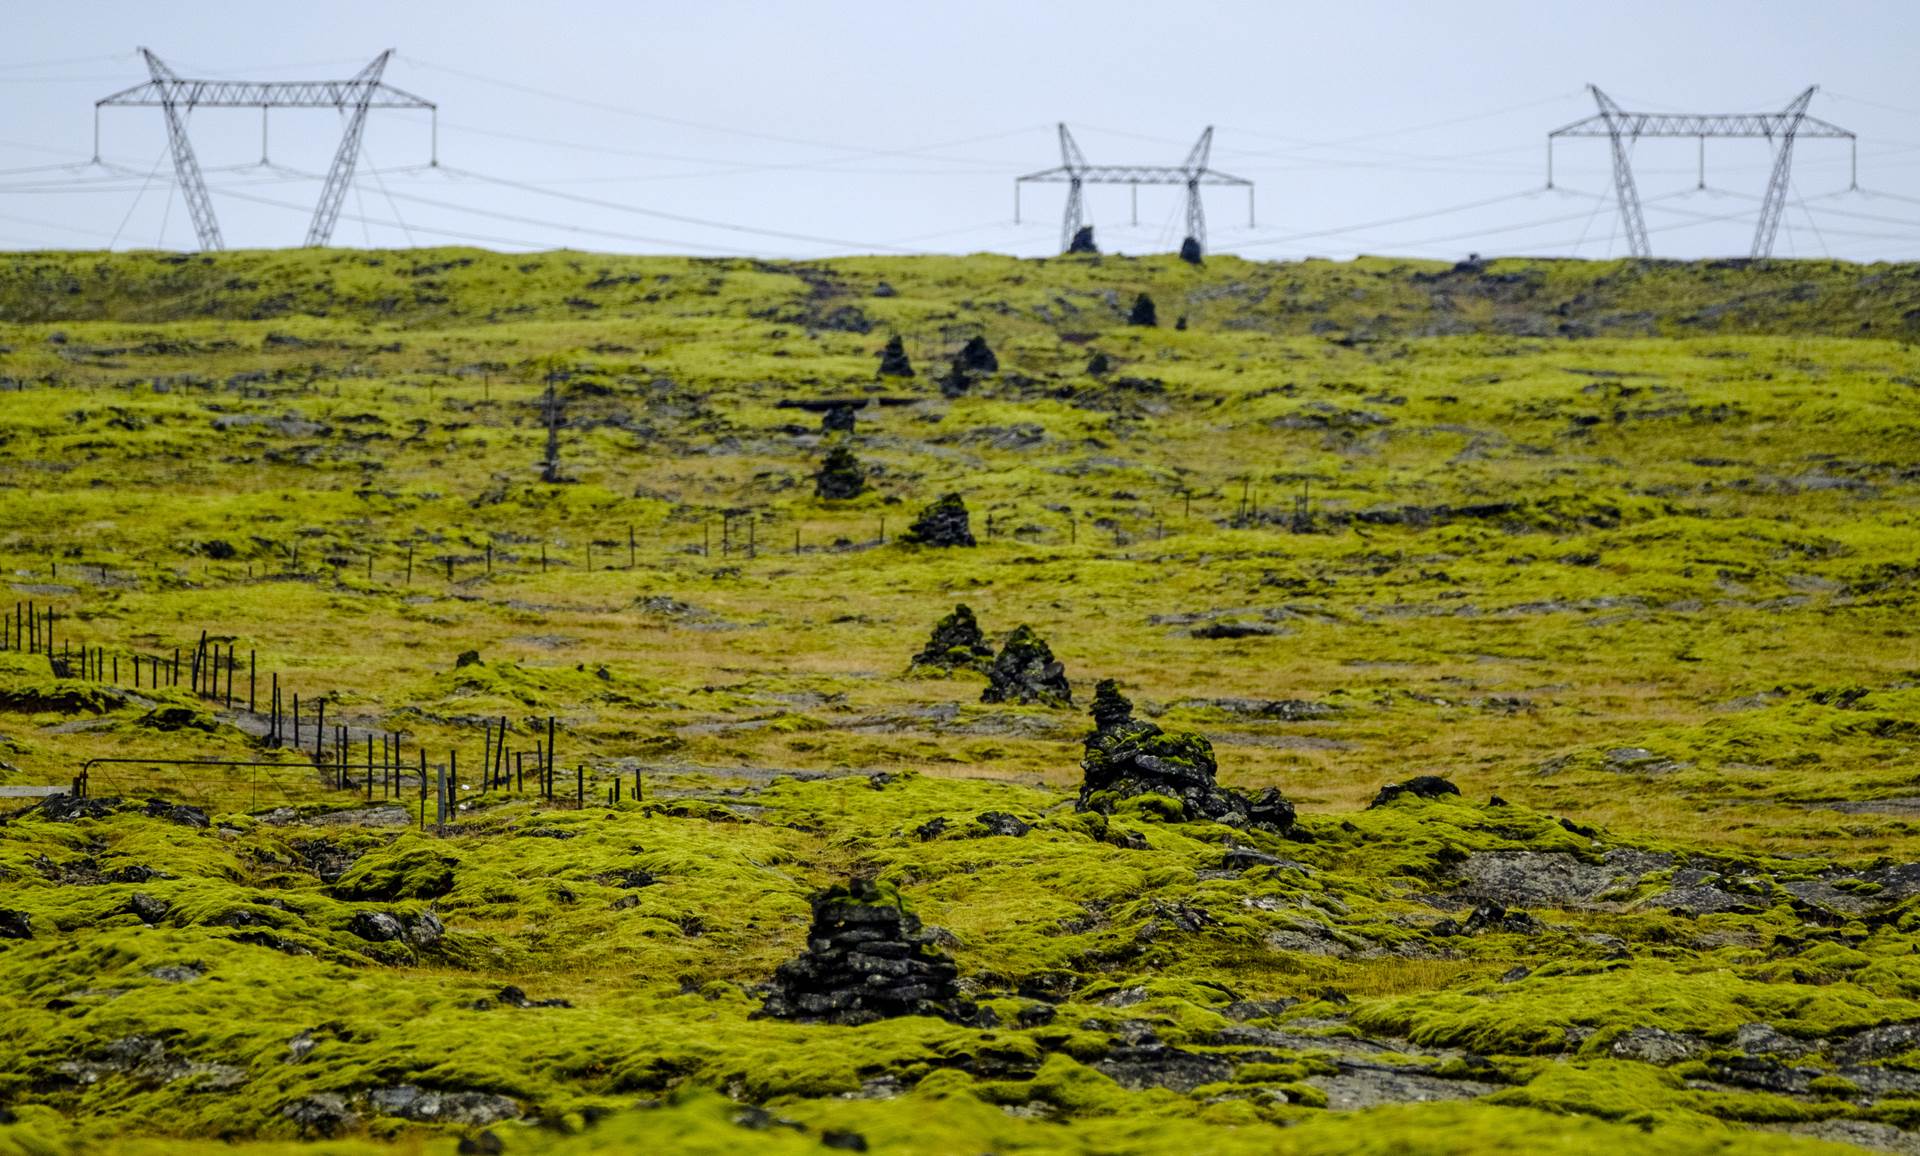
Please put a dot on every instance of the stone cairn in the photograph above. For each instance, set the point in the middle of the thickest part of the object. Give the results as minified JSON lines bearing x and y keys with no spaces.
{"x":957,"y":643}
{"x":943,"y":523}
{"x":1025,"y":671}
{"x":867,"y":959}
{"x":1126,"y":756}
{"x":893,"y":359}
{"x":840,"y":476}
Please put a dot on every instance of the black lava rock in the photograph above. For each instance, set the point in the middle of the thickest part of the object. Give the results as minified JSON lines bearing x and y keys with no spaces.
{"x":840,"y":476}
{"x":148,"y":908}
{"x":943,"y":523}
{"x":1420,"y":787}
{"x":1083,"y":241}
{"x":1143,"y":312}
{"x":1126,"y":756}
{"x":1099,"y":365}
{"x":69,"y":808}
{"x":180,"y":813}
{"x":893,"y":359}
{"x":1025,"y":671}
{"x":15,"y":924}
{"x":867,"y":959}
{"x":1190,"y":251}
{"x":957,"y":642}
{"x":1001,"y":823}
{"x":467,"y":658}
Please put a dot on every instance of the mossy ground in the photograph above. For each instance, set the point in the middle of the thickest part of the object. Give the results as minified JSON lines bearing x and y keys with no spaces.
{"x":1628,"y":545}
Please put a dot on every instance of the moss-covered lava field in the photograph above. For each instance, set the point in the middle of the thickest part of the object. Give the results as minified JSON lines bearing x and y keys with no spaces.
{"x":1614,"y":563}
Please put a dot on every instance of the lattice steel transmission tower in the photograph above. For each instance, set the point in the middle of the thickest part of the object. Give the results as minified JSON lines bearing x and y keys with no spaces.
{"x":1622,"y":128}
{"x":1074,"y":171}
{"x":177,"y":97}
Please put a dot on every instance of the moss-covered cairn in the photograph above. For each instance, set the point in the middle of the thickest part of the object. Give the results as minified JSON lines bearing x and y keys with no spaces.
{"x":1126,"y":756}
{"x":1025,"y":671}
{"x":957,"y":643}
{"x":867,"y":959}
{"x":942,"y":523}
{"x":840,"y":477}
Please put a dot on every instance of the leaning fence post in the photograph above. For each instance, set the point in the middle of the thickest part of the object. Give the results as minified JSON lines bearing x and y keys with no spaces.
{"x":319,"y":724}
{"x":580,"y":787}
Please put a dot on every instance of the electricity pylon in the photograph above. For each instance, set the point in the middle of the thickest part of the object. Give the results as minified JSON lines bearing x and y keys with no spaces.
{"x":1074,"y":171}
{"x":177,"y":97}
{"x":1622,"y":128}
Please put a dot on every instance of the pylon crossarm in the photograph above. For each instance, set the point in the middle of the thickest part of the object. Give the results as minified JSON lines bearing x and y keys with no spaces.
{"x":1132,"y":175}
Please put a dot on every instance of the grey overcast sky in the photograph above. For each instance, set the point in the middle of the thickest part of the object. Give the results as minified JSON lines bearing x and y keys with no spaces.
{"x":810,"y":129}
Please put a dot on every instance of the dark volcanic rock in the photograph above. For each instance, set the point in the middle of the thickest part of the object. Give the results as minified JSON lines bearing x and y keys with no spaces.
{"x":1126,"y":756}
{"x":840,"y":476}
{"x":1656,"y":1046}
{"x":867,"y":959}
{"x":68,"y":808}
{"x":976,"y":357}
{"x":148,"y":908}
{"x":1491,"y":916}
{"x":1190,"y":251}
{"x":943,"y":523}
{"x":1099,"y":365}
{"x":15,"y":924}
{"x":1025,"y":671}
{"x":377,"y":926}
{"x":1143,"y":312}
{"x":1420,"y":787}
{"x":837,"y":419}
{"x":1161,"y":1066}
{"x":179,"y":813}
{"x":1083,"y":241}
{"x":956,"y":642}
{"x":413,"y":1103}
{"x":323,"y":1115}
{"x":893,"y":359}
{"x":1001,"y":823}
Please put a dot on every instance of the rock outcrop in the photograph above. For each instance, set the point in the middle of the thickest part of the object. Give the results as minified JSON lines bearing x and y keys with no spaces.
{"x":840,"y":477}
{"x":1420,"y":787}
{"x":1126,"y":756}
{"x":957,"y":642}
{"x":1025,"y":671}
{"x":867,"y":959}
{"x":943,"y":523}
{"x":1083,"y":241}
{"x":1190,"y":251}
{"x":1143,"y":312}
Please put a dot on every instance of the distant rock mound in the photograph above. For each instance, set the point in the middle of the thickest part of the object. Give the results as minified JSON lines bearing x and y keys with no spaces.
{"x":943,"y":523}
{"x":977,"y":357}
{"x":1190,"y":251}
{"x":1025,"y":671}
{"x":1420,"y":787}
{"x":1083,"y":241}
{"x":893,"y":359}
{"x":841,"y":476}
{"x":838,"y":419}
{"x":867,"y":959}
{"x":1143,"y":312}
{"x":1126,"y":756}
{"x":957,"y":642}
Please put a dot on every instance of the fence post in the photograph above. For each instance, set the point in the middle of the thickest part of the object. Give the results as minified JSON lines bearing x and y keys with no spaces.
{"x":251,"y":671}
{"x":580,"y":787}
{"x":423,"y":788}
